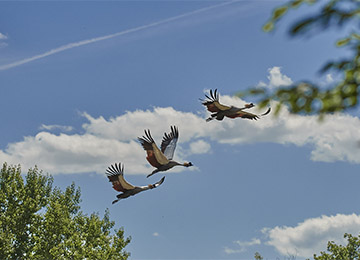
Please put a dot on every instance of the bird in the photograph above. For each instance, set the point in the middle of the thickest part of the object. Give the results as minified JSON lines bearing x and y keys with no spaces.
{"x":115,"y":173}
{"x":162,"y":159}
{"x":219,"y":111}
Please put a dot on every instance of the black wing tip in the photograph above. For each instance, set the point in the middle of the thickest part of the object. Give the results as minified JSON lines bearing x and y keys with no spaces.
{"x":160,"y":181}
{"x":175,"y":131}
{"x":143,"y":140}
{"x":115,"y":169}
{"x":147,"y":138}
{"x":208,"y":97}
{"x":267,"y":111}
{"x":214,"y":96}
{"x":215,"y":93}
{"x":148,"y":135}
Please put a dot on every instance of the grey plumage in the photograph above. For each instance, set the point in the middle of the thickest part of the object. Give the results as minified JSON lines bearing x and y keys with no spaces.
{"x":162,"y":159}
{"x":115,"y":174}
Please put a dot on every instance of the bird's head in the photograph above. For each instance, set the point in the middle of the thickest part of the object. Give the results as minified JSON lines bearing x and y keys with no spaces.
{"x":188,"y":164}
{"x":250,"y":105}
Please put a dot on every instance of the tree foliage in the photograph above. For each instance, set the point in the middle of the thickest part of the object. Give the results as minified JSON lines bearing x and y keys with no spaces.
{"x":257,"y":256}
{"x":349,"y":252}
{"x":307,"y":97}
{"x":38,"y":221}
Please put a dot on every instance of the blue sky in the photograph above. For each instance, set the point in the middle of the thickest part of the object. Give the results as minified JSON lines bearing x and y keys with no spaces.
{"x":81,"y":80}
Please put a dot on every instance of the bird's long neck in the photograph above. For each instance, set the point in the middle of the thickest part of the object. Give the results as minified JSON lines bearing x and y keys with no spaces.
{"x":174,"y":163}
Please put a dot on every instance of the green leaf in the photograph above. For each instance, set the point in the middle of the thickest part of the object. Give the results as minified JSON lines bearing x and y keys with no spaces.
{"x":296,"y":3}
{"x":42,"y":222}
{"x":279,"y":12}
{"x":241,"y":94}
{"x":302,"y":26}
{"x":343,"y":42}
{"x":356,"y":36}
{"x":256,"y":91}
{"x":277,"y":108}
{"x":269,"y":26}
{"x":327,"y":67}
{"x":341,"y":94}
{"x":263,"y":103}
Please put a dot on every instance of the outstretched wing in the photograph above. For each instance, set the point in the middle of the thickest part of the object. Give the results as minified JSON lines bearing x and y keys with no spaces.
{"x":168,"y":143}
{"x":154,"y":156}
{"x":159,"y":182}
{"x":244,"y":114}
{"x":212,"y":103}
{"x":248,"y":115}
{"x":115,"y":173}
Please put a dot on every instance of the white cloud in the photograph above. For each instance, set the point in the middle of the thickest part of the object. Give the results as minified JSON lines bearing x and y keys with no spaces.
{"x":329,"y":78}
{"x":74,"y":153}
{"x":276,"y":79}
{"x":157,"y":120}
{"x":53,"y":127}
{"x":156,"y":234}
{"x":105,"y":141}
{"x":261,"y":84}
{"x":3,"y":37}
{"x":200,"y":147}
{"x":312,"y":235}
{"x":242,"y":246}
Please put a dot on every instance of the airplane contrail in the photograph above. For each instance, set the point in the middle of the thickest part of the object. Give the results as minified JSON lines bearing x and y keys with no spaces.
{"x":97,"y":39}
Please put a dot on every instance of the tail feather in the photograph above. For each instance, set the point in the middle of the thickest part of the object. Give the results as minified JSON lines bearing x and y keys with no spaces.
{"x":267,"y":112}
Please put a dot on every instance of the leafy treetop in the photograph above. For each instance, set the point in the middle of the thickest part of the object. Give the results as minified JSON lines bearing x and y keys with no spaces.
{"x":38,"y":221}
{"x":307,"y":97}
{"x":349,"y":252}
